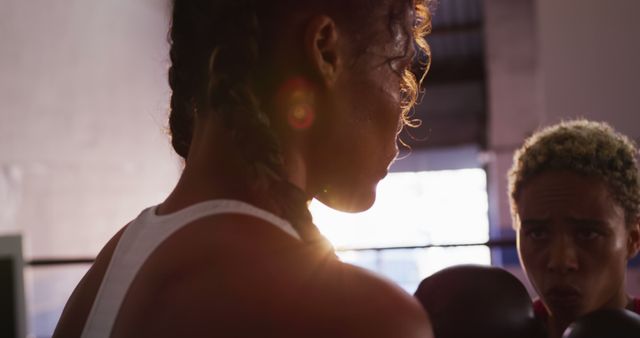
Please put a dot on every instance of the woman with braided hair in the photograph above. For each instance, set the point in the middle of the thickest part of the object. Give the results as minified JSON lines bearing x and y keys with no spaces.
{"x":273,"y":103}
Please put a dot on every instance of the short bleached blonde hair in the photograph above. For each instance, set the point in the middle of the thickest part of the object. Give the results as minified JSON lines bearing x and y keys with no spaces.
{"x":587,"y":147}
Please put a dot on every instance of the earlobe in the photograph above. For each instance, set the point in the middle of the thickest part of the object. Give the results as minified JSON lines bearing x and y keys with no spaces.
{"x":321,"y":44}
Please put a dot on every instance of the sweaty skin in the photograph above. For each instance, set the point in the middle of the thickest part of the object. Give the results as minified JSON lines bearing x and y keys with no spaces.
{"x":357,"y":138}
{"x":244,"y":278}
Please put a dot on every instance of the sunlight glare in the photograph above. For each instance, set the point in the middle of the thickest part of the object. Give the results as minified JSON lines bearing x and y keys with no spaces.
{"x":412,"y":209}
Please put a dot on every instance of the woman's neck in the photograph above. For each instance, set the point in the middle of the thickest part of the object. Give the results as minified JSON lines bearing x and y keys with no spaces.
{"x":216,"y":168}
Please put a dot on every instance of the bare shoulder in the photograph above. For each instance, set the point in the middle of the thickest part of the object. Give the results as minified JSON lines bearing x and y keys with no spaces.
{"x":77,"y":309}
{"x":236,"y":274}
{"x":383,"y":308}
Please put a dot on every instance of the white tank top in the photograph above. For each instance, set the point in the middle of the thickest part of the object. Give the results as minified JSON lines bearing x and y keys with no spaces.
{"x":141,"y":237}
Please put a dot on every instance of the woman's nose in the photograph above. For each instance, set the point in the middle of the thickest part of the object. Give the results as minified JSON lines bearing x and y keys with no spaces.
{"x":562,"y":255}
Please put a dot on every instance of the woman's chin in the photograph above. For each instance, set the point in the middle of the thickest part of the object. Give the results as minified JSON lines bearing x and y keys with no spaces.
{"x":349,"y":202}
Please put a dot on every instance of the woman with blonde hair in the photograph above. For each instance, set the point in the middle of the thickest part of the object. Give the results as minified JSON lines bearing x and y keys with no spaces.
{"x":575,"y":198}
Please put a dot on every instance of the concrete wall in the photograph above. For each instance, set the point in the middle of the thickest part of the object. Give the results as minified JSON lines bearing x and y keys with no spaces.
{"x":83,"y":147}
{"x":514,"y":102}
{"x":588,"y":56}
{"x":83,"y":105}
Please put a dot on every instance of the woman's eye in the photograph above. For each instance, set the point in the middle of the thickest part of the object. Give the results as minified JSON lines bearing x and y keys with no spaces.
{"x":536,"y":234}
{"x":587,"y":234}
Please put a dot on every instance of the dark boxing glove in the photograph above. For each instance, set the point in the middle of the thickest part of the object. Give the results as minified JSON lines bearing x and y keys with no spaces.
{"x":477,"y":301}
{"x":614,"y":323}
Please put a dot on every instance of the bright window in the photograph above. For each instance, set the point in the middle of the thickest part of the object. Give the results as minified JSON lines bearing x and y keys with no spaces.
{"x":414,"y":209}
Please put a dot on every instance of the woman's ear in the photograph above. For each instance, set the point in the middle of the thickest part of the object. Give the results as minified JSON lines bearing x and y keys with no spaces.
{"x":633,"y":244}
{"x":321,"y":43}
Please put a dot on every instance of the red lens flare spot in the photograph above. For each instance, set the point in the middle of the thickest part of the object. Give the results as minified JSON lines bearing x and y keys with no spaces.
{"x":301,"y":116}
{"x":296,"y":97}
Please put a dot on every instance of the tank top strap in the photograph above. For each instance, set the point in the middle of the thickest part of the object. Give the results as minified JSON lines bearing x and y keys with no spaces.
{"x":219,"y":206}
{"x":140,"y":238}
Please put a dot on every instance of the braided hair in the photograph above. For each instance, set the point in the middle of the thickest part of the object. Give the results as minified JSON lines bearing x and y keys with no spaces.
{"x":215,"y":68}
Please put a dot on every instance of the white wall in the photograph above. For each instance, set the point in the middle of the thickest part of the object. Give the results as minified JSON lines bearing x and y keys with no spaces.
{"x":83,"y":147}
{"x":83,"y":108}
{"x":514,"y":104}
{"x":588,"y":54}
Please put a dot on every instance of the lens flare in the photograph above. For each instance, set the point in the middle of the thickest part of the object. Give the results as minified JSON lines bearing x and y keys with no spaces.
{"x":296,"y":97}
